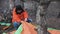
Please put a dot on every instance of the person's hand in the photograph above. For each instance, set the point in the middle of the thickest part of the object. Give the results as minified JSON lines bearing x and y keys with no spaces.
{"x":25,"y":19}
{"x":21,"y":21}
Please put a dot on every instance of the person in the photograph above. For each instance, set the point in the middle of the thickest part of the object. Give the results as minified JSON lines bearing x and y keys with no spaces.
{"x":19,"y":14}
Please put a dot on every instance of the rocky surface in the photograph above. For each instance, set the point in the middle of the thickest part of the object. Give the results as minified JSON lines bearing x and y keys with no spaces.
{"x":53,"y":15}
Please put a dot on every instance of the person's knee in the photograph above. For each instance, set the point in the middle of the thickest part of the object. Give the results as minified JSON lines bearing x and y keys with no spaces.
{"x":15,"y":24}
{"x":29,"y":20}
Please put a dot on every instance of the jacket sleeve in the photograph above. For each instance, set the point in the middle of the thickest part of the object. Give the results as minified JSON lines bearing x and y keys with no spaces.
{"x":25,"y":14}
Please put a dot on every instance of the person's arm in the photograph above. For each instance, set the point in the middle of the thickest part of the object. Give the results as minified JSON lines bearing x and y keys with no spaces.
{"x":25,"y":19}
{"x":25,"y":16}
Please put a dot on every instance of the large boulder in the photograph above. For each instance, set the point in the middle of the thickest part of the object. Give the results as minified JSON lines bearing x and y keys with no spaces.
{"x":52,"y":15}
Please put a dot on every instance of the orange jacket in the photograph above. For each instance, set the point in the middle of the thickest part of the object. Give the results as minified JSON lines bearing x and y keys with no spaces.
{"x":19,"y":17}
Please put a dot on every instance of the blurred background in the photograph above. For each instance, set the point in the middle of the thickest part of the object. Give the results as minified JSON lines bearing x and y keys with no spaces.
{"x":44,"y":13}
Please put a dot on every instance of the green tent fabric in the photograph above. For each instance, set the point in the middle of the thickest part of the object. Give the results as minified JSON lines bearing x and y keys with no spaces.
{"x":51,"y":29}
{"x":4,"y":33}
{"x":2,"y":23}
{"x":8,"y":24}
{"x":19,"y":30}
{"x":5,"y":24}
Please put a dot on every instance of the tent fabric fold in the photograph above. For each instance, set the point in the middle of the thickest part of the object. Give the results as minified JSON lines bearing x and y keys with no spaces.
{"x":27,"y":28}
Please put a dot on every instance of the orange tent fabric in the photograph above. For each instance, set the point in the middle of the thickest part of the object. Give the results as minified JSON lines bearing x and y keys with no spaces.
{"x":54,"y":31}
{"x":28,"y":28}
